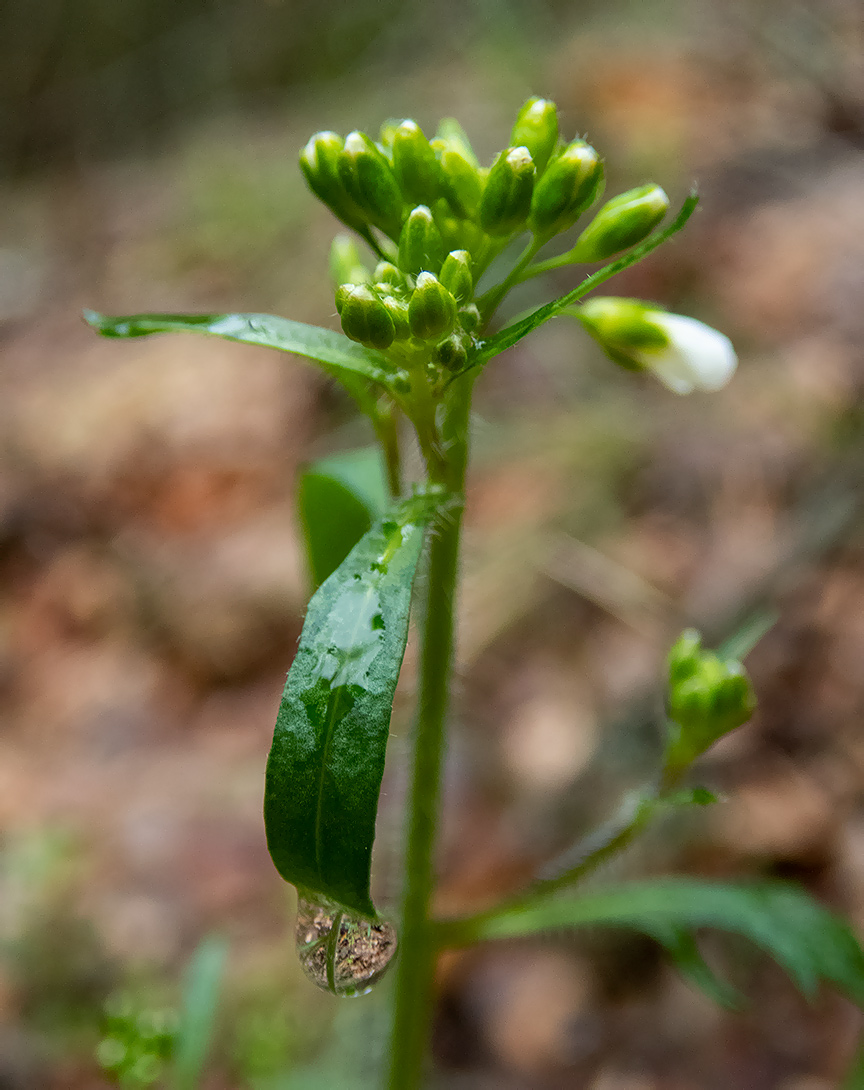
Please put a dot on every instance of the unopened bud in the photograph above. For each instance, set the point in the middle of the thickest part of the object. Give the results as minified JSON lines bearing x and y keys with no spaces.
{"x":398,"y":311}
{"x":343,"y":291}
{"x":346,"y":264}
{"x":507,"y":196}
{"x":364,"y":317}
{"x":621,"y":223}
{"x":450,"y":134}
{"x":456,"y":275}
{"x":536,"y":129}
{"x":469,"y":318}
{"x":458,"y":233}
{"x":369,"y":180}
{"x":385,"y":136}
{"x":319,"y":161}
{"x":417,"y":169}
{"x":421,"y":247}
{"x":432,"y":310}
{"x":708,"y":698}
{"x":462,"y":181}
{"x":452,"y":352}
{"x":387,"y":273}
{"x":569,"y":186}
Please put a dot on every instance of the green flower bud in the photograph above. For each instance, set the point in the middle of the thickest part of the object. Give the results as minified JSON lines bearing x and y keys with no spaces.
{"x":369,"y":180}
{"x":398,"y":311}
{"x":469,"y":318}
{"x":387,"y":273}
{"x":342,"y":293}
{"x":319,"y":161}
{"x":621,"y":223}
{"x":708,"y":698}
{"x":569,"y":186}
{"x":684,"y":656}
{"x":452,"y":352}
{"x":451,"y":135}
{"x":507,"y":197}
{"x":364,"y":317}
{"x":421,"y":247}
{"x":458,"y":234}
{"x":536,"y":129}
{"x":462,"y":182}
{"x":385,"y":136}
{"x":415,"y":165}
{"x":346,"y":264}
{"x":456,"y":275}
{"x":432,"y":310}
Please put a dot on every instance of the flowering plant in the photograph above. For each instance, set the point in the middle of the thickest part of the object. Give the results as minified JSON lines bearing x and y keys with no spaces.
{"x":418,"y":312}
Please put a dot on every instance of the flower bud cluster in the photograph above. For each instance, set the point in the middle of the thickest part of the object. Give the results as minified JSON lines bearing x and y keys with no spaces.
{"x":708,"y":697}
{"x":413,"y":313}
{"x":437,"y":218}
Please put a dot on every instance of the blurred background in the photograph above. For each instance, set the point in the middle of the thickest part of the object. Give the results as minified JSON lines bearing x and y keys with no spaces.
{"x":153,"y":584}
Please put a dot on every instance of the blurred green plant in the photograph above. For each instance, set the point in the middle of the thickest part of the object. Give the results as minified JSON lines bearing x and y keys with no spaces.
{"x":138,"y":1040}
{"x":417,"y":315}
{"x":144,"y":1044}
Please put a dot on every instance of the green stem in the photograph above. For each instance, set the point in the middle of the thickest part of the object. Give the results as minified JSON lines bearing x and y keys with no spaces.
{"x":386,"y":424}
{"x":592,"y":853}
{"x":489,"y":302}
{"x":569,"y":257}
{"x":413,"y":998}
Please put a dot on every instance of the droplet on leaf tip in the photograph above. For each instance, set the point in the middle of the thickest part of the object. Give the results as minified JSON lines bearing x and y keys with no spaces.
{"x":340,"y":952}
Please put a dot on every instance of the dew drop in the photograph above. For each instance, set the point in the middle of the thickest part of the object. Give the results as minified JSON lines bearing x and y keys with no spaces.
{"x":341,"y":952}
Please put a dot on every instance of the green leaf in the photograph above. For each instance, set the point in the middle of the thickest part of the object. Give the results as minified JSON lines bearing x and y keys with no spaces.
{"x":739,"y":645}
{"x":809,"y":942}
{"x":342,"y":358}
{"x":683,"y":949}
{"x":325,"y":766}
{"x":198,"y":1013}
{"x":515,"y":332}
{"x":338,"y":499}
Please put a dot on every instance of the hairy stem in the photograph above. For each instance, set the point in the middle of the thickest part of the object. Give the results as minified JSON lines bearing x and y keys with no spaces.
{"x":412,"y":1010}
{"x":386,"y":424}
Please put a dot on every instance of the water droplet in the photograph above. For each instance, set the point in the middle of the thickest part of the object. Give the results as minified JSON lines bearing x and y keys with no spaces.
{"x":340,"y":952}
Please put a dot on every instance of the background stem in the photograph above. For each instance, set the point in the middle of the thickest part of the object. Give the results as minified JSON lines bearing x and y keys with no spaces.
{"x":386,"y":424}
{"x":412,"y":1010}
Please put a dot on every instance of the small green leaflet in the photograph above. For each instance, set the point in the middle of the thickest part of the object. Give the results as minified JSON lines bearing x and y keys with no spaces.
{"x":808,"y":941}
{"x":325,"y":765}
{"x":342,"y":358}
{"x":338,"y":499}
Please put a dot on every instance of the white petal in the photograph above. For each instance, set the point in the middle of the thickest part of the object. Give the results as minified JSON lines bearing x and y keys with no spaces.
{"x":697,"y":356}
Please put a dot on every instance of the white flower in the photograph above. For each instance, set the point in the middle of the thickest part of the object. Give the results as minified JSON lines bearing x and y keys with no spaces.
{"x":684,"y":354}
{"x":697,"y":357}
